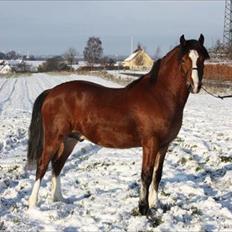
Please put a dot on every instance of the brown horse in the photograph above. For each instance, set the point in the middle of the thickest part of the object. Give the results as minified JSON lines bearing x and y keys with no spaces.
{"x":147,"y":113}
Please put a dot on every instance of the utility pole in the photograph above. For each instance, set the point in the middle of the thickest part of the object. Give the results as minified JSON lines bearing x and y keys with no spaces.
{"x":227,"y":35}
{"x":132,"y":43}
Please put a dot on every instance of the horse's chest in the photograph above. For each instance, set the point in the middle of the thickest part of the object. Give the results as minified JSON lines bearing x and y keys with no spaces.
{"x":171,"y":130}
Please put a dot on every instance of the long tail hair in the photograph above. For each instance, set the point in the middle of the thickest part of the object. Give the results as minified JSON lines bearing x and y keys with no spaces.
{"x":35,"y":141}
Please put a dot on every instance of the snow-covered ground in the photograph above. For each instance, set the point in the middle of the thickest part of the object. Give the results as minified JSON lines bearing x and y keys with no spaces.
{"x":103,"y":184}
{"x":127,"y":75}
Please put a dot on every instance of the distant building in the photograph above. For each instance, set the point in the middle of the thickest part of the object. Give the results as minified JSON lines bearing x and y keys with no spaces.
{"x":5,"y":69}
{"x":18,"y":66}
{"x":138,"y":60}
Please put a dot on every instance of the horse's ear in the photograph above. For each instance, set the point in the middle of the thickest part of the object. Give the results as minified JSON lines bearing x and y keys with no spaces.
{"x":201,"y":39}
{"x":182,"y":41}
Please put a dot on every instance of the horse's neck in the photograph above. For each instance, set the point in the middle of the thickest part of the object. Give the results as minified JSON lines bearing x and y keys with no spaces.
{"x":172,"y":81}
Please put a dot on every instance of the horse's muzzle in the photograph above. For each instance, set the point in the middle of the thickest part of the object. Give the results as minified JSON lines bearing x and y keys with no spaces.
{"x":195,"y":89}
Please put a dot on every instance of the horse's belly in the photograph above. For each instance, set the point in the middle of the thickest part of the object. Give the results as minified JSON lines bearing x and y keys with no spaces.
{"x":113,"y":137}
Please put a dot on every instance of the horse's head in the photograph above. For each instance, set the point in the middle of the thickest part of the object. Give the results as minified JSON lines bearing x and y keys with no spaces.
{"x":192,"y":57}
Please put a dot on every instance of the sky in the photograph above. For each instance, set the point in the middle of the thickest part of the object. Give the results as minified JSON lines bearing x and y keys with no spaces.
{"x":51,"y":27}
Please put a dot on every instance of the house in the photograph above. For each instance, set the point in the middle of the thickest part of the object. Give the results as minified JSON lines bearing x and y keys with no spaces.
{"x":16,"y":66}
{"x":138,"y":60}
{"x":5,"y":69}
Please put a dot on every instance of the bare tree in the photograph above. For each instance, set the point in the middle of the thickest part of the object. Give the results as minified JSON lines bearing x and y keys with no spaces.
{"x":107,"y":61}
{"x":11,"y":55}
{"x":54,"y":64}
{"x":70,"y":55}
{"x":93,"y":50}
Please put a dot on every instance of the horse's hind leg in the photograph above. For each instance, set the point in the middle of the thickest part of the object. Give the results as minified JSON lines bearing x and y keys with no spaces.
{"x":58,"y":162}
{"x":49,"y":149}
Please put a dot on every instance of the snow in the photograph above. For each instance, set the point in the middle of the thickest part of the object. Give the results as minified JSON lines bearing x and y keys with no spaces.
{"x":102,"y":185}
{"x":127,"y":75}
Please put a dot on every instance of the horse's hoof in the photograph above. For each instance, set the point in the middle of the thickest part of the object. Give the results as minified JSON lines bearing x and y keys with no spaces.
{"x":143,"y":208}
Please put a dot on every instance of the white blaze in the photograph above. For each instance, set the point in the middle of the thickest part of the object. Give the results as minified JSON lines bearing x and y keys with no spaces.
{"x":193,"y":55}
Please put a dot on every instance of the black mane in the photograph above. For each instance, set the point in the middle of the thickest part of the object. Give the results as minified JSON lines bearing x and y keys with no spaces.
{"x":155,"y":70}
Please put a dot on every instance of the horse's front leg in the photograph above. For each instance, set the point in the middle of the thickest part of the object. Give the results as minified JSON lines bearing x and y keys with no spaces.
{"x":157,"y":174}
{"x":150,"y":149}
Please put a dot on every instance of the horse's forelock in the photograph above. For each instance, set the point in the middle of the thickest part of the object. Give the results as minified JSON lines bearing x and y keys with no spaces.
{"x":193,"y":45}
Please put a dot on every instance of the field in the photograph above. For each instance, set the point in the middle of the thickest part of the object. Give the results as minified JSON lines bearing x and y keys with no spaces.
{"x":103,"y":184}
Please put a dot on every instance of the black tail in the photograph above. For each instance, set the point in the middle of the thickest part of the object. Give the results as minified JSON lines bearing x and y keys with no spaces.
{"x":35,"y":141}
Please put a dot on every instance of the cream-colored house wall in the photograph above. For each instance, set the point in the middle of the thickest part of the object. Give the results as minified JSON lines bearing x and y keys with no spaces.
{"x":139,"y":61}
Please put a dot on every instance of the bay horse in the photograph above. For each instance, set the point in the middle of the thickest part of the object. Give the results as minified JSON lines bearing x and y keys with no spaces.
{"x":146,"y":113}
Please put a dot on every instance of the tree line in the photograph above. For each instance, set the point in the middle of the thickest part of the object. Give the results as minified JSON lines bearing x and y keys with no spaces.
{"x":93,"y":53}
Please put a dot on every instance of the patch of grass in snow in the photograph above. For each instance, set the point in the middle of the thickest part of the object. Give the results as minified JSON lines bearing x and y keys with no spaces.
{"x":199,"y":168}
{"x":194,"y":146}
{"x":2,"y":226}
{"x":16,"y":220}
{"x":135,"y":212}
{"x":220,"y":134}
{"x":225,"y":159}
{"x":183,"y":160}
{"x":14,"y":168}
{"x":196,"y":211}
{"x":179,"y":139}
{"x":165,"y":194}
{"x":96,"y":165}
{"x":155,"y":221}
